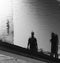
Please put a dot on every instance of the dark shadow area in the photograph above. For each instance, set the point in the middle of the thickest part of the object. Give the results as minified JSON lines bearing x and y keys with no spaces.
{"x":26,"y":52}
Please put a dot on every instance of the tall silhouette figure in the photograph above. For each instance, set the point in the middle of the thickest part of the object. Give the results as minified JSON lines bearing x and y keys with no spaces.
{"x":54,"y":45}
{"x":32,"y":43}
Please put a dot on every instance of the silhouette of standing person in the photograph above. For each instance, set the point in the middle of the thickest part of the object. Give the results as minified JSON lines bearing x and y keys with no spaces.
{"x":32,"y":43}
{"x":54,"y":45}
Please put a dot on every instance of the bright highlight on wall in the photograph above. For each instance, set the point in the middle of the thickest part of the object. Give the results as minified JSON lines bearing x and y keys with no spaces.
{"x":6,"y":13}
{"x":24,"y":22}
{"x":5,"y":8}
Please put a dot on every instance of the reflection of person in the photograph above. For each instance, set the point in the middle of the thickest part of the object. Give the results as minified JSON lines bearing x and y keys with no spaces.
{"x":32,"y":43}
{"x":54,"y":45}
{"x":8,"y":26}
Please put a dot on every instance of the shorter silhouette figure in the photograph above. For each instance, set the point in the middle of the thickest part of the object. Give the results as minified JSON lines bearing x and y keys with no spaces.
{"x":54,"y":45}
{"x":32,"y":43}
